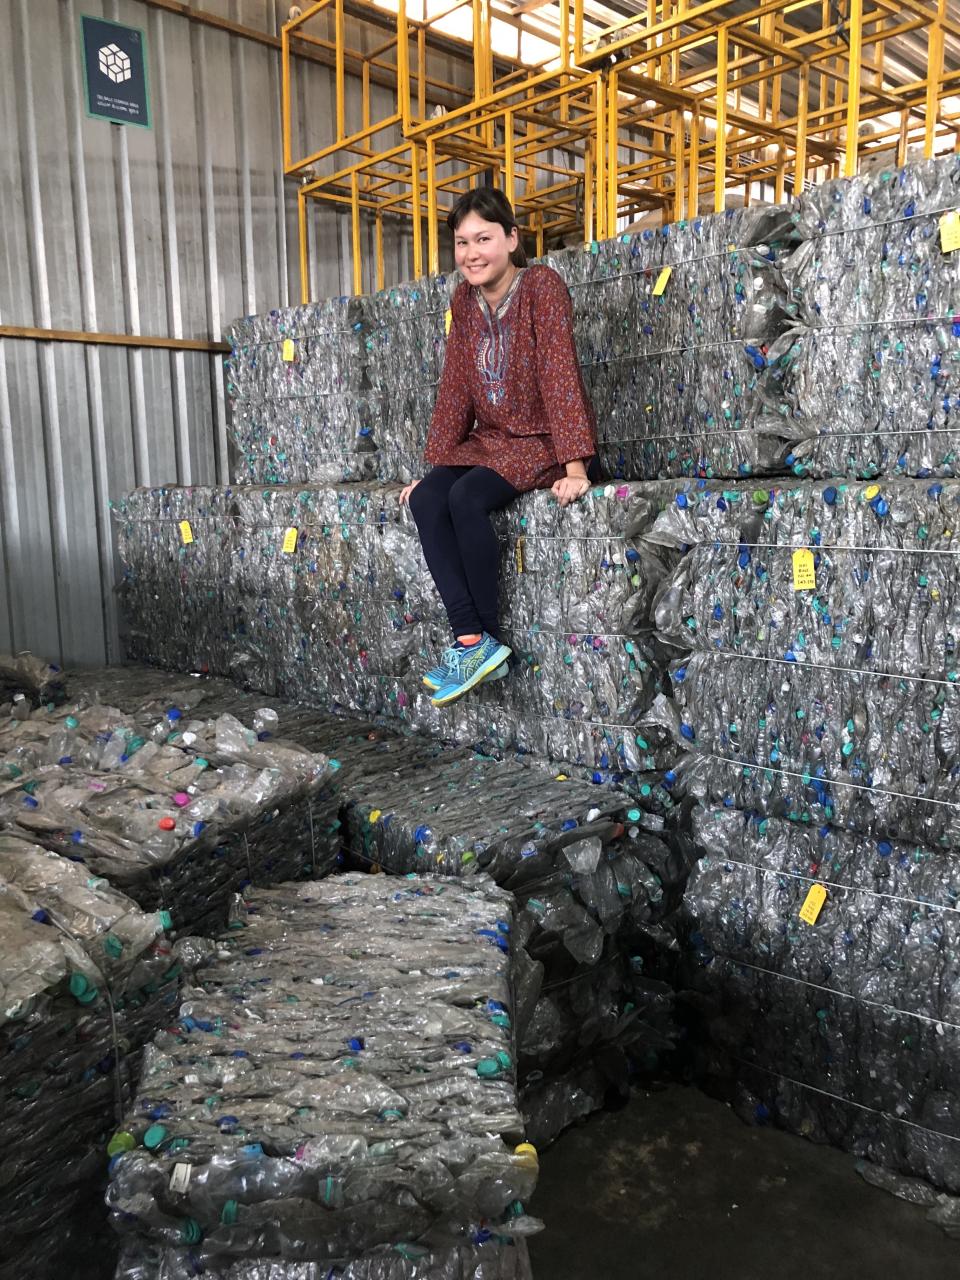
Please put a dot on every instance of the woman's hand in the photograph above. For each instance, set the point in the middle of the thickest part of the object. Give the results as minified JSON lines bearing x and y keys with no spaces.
{"x":405,"y":493}
{"x":569,"y":489}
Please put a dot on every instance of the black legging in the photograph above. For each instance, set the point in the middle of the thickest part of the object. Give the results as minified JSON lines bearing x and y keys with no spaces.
{"x":451,"y":506}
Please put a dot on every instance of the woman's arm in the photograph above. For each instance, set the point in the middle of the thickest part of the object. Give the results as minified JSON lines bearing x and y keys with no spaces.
{"x":453,"y":414}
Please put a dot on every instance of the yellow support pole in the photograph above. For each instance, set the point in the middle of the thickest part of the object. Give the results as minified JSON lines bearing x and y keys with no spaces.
{"x":285,"y":99}
{"x":339,"y":58}
{"x":417,"y":196}
{"x":378,"y":247}
{"x":433,"y":239}
{"x":613,"y":156}
{"x":304,"y":255}
{"x":588,"y":182}
{"x":355,"y":232}
{"x":903,"y":140}
{"x":600,"y":183}
{"x":934,"y":76}
{"x":421,"y":73}
{"x":800,"y":166}
{"x":403,"y":67}
{"x":854,"y":78}
{"x":720,"y":156}
{"x":508,"y":158}
{"x":678,"y":139}
{"x":693,"y":183}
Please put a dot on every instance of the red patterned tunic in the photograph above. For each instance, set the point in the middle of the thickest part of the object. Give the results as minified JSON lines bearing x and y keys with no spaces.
{"x":511,"y":396}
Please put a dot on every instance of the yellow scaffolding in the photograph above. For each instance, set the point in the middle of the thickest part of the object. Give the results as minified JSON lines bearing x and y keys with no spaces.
{"x":677,"y":108}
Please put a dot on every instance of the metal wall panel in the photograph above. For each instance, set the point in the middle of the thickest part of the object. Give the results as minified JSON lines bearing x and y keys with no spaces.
{"x":172,"y":231}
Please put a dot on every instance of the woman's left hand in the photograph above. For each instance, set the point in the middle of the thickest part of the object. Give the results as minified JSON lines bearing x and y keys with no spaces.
{"x":569,"y":489}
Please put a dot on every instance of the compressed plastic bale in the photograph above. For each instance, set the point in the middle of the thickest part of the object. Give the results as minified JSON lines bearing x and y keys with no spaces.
{"x":593,"y":883}
{"x":872,"y":979}
{"x":491,"y":1260}
{"x":178,"y":812}
{"x":866,"y":384}
{"x":85,"y":979}
{"x":321,"y":594}
{"x":834,"y":703}
{"x":366,"y":1100}
{"x":296,"y":381}
{"x":675,"y":376}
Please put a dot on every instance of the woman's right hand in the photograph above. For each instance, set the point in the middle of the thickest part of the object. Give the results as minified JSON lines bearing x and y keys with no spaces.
{"x":405,"y":493}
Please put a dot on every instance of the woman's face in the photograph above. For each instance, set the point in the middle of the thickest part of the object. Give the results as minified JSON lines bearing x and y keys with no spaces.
{"x":482,"y":250}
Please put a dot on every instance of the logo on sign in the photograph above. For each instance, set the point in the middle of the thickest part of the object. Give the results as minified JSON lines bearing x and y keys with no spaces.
{"x":114,"y":64}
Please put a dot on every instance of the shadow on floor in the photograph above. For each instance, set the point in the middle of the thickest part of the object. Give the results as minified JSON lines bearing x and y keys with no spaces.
{"x":675,"y":1187}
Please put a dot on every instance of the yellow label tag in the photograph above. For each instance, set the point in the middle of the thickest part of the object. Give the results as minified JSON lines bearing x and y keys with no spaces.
{"x":662,"y":280}
{"x":950,"y":232}
{"x":447,"y":321}
{"x":518,"y":553}
{"x":872,"y":492}
{"x":804,"y":573}
{"x":813,"y":904}
{"x":186,"y":533}
{"x":290,"y":542}
{"x":289,"y":351}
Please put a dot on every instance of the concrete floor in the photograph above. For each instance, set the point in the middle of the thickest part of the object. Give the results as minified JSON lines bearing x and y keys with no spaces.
{"x":675,"y":1187}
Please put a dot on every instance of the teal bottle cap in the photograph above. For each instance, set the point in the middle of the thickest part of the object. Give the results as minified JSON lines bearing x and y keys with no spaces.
{"x":154,"y":1136}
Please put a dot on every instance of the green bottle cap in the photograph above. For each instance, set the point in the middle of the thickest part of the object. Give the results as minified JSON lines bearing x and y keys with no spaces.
{"x":504,"y":1059}
{"x":120,"y":1143}
{"x":166,"y":919}
{"x":113,"y":946}
{"x":191,"y":1231}
{"x":229,"y":1212}
{"x":488,"y":1067}
{"x":154,"y":1136}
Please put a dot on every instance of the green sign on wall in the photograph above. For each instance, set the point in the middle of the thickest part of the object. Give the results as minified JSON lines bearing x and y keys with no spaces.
{"x":115,"y":71}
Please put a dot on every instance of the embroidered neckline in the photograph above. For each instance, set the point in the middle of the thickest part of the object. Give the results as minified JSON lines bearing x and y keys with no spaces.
{"x":504,"y":303}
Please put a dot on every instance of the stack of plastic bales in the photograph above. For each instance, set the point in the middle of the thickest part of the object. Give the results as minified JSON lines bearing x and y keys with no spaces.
{"x":868,"y":382}
{"x":672,"y":329}
{"x":321,"y":594}
{"x":177,"y":812}
{"x":86,"y":979}
{"x":339,"y":390}
{"x":296,"y":379}
{"x":592,"y":883}
{"x":817,"y":700}
{"x":403,"y":353}
{"x":355,"y":1039}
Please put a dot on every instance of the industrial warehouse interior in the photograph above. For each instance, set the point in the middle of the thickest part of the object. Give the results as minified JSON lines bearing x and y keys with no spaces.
{"x":480,"y":640}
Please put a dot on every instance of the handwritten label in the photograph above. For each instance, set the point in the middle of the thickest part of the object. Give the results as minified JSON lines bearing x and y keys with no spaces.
{"x":290,"y":542}
{"x":804,"y":572}
{"x":662,"y":280}
{"x":813,"y":904}
{"x":289,"y":351}
{"x":186,"y":533}
{"x":950,"y":232}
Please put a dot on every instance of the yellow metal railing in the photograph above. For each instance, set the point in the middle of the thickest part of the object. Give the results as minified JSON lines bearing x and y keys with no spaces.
{"x":675,"y":108}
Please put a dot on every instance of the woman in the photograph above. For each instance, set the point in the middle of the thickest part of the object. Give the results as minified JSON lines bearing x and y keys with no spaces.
{"x":511,"y":415}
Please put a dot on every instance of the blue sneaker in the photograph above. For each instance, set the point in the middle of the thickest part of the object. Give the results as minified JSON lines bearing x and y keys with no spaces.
{"x":469,"y":667}
{"x":437,"y":676}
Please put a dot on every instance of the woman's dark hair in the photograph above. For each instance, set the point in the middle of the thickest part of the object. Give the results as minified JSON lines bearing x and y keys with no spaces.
{"x":490,"y":204}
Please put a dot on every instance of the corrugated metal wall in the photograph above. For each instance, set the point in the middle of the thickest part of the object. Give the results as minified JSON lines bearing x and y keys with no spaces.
{"x":172,"y":231}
